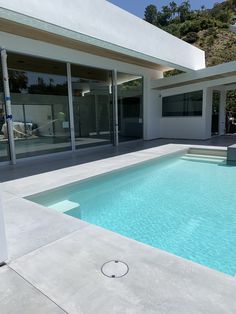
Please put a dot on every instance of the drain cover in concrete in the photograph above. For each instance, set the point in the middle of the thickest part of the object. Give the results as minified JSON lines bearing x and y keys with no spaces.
{"x":115,"y":269}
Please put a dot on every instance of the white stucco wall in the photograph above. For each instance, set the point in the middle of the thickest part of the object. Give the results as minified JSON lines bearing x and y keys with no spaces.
{"x":28,"y":46}
{"x":193,"y":127}
{"x":107,"y":22}
{"x":183,"y":127}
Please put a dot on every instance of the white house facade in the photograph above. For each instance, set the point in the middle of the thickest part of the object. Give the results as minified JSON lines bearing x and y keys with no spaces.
{"x":193,"y":105}
{"x":90,"y":74}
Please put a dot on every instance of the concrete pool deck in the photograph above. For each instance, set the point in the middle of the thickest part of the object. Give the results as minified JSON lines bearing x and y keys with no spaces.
{"x":55,"y":260}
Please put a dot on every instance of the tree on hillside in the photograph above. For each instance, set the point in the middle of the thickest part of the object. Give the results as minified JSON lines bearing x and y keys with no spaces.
{"x":184,"y":11}
{"x":150,"y":14}
{"x":205,"y":28}
{"x":174,"y":8}
{"x":166,"y":14}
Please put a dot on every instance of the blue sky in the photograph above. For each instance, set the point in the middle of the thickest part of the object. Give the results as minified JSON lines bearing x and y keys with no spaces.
{"x":137,"y":7}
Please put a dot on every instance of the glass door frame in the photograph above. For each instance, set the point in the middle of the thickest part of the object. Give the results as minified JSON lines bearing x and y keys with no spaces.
{"x":114,"y":107}
{"x":7,"y":103}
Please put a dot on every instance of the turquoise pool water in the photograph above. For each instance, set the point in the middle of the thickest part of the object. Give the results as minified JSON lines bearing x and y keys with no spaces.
{"x":183,"y":205}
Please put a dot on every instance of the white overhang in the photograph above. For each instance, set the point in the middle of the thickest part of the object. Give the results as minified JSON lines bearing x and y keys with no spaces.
{"x":99,"y":26}
{"x":215,"y":73}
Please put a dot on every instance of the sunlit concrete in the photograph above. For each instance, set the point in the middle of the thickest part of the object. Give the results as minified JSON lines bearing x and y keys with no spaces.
{"x":60,"y":257}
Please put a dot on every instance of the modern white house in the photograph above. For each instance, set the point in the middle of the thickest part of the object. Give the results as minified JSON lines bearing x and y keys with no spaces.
{"x":192,"y":105}
{"x":90,"y":73}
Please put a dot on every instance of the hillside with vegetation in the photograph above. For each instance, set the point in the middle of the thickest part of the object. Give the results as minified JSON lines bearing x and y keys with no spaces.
{"x":205,"y":28}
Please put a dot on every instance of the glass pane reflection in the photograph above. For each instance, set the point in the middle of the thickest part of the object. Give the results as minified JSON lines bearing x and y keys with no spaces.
{"x":130,"y":106}
{"x":39,"y":105}
{"x":92,"y":99}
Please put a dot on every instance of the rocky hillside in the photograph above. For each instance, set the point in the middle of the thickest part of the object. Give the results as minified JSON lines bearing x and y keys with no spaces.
{"x":207,"y":29}
{"x":219,"y":45}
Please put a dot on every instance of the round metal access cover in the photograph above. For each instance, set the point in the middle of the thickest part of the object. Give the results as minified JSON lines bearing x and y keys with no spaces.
{"x":115,"y":269}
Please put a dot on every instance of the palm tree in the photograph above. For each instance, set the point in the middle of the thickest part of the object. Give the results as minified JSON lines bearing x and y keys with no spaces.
{"x":173,"y":8}
{"x":184,"y":10}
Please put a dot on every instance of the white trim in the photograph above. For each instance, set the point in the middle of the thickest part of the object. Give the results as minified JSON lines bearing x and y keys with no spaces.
{"x":37,"y":48}
{"x":209,"y":75}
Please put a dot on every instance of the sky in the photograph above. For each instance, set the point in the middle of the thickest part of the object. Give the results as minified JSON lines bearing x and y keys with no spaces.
{"x":137,"y":7}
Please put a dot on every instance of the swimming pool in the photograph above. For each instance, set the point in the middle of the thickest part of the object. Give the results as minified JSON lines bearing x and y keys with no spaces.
{"x":185,"y":205}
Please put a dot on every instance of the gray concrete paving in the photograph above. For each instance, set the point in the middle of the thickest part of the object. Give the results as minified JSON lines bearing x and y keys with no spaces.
{"x":19,"y":297}
{"x":69,"y":272}
{"x":59,"y":257}
{"x":30,"y":226}
{"x":42,"y":182}
{"x":42,"y":164}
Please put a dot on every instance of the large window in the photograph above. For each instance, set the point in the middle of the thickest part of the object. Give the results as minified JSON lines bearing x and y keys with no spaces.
{"x":39,"y":105}
{"x":92,"y":102}
{"x":130,"y":106}
{"x":189,"y":104}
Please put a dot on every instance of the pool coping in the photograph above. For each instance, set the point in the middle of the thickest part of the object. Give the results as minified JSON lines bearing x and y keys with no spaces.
{"x":16,"y":190}
{"x":35,"y":184}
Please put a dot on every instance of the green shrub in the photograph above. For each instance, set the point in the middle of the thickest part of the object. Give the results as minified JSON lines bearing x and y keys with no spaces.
{"x":173,"y":29}
{"x":189,"y":27}
{"x":210,"y":40}
{"x":206,"y":24}
{"x":191,"y":38}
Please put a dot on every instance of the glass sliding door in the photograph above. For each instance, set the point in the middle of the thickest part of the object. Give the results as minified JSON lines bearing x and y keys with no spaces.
{"x":130,"y":106}
{"x":215,"y":112}
{"x":39,"y":105}
{"x":92,"y":103}
{"x":4,"y":144}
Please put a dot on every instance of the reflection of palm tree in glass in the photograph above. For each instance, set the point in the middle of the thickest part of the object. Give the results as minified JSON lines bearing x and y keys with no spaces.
{"x":18,"y":80}
{"x":51,"y":81}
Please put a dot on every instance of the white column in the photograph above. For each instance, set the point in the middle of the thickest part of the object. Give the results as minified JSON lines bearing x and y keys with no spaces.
{"x":152,"y":101}
{"x":3,"y":243}
{"x":222,"y":112}
{"x":71,"y":109}
{"x":8,"y":106}
{"x":207,"y":112}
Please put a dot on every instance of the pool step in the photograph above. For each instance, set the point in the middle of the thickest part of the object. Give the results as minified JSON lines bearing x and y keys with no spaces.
{"x":206,"y":158}
{"x":64,"y":206}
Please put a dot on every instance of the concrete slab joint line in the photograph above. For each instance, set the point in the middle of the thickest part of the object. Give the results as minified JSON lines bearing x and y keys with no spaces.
{"x":20,"y":296}
{"x":46,"y":296}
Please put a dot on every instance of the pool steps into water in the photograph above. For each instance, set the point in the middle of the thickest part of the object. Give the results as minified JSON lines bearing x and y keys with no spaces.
{"x":64,"y":206}
{"x":204,"y":158}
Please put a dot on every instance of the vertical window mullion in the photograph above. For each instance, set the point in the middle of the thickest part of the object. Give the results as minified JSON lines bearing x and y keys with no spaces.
{"x":8,"y":106}
{"x":115,"y":110}
{"x":71,"y":110}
